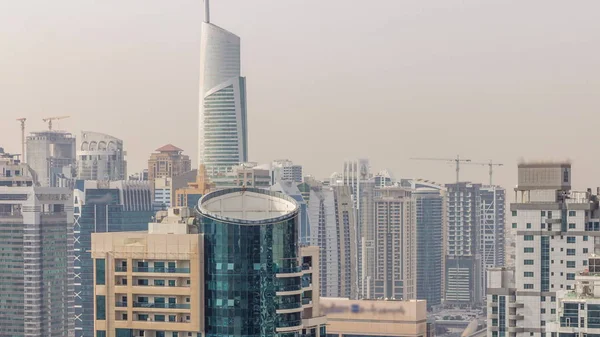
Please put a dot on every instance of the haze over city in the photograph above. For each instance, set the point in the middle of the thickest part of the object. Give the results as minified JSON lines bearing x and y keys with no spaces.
{"x":327,"y":80}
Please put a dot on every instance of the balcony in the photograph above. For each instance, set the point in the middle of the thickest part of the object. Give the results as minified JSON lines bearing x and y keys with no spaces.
{"x":286,"y":306}
{"x":289,"y":326}
{"x":160,"y":305}
{"x":121,"y":304}
{"x":161,"y":270}
{"x":120,"y":269}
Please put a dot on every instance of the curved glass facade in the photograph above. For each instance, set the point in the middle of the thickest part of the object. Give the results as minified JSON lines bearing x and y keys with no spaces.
{"x":253,"y":285}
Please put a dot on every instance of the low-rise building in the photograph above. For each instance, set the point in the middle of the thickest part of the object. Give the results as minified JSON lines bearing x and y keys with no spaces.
{"x":352,"y":318}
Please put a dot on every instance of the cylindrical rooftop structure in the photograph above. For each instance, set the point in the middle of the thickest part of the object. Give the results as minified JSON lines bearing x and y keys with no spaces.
{"x":252,"y":271}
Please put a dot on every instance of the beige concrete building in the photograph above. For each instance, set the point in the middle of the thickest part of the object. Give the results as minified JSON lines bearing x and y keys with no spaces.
{"x":150,"y":284}
{"x":347,"y":318}
{"x":168,"y":162}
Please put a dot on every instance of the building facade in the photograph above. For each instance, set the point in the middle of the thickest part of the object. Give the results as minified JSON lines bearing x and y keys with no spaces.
{"x":52,"y":156}
{"x":100,"y":157}
{"x":395,"y":244}
{"x":168,"y":161}
{"x":333,"y":230}
{"x":555,"y":230}
{"x":349,"y":318}
{"x":103,"y":206}
{"x":253,"y":269}
{"x":291,"y":189}
{"x":464,"y":274}
{"x":150,"y":283}
{"x":190,"y":195}
{"x":285,"y":170}
{"x":223,"y":126}
{"x":430,"y":207}
{"x":577,"y":311}
{"x":36,"y":269}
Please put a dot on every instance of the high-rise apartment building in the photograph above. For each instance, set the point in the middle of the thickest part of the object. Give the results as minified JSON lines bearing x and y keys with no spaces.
{"x":463,"y":261}
{"x":100,"y":157}
{"x":103,"y":206}
{"x":290,"y":188}
{"x":555,"y":230}
{"x":285,"y":170}
{"x":190,"y":195}
{"x":395,"y":244}
{"x":357,"y":175}
{"x":245,"y":174}
{"x":223,"y":126}
{"x":169,"y":161}
{"x":36,"y":269}
{"x":430,"y":207}
{"x":492,"y":228}
{"x":333,"y":230}
{"x":52,"y":156}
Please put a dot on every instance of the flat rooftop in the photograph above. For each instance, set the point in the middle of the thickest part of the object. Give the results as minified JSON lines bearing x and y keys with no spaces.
{"x":247,"y":205}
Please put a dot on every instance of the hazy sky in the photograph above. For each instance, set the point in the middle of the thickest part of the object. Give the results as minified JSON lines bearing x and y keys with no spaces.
{"x":327,"y":79}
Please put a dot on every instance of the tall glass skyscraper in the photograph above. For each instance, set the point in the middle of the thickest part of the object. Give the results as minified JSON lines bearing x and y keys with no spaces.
{"x":252,"y":272}
{"x":223,"y":132}
{"x":101,"y":207}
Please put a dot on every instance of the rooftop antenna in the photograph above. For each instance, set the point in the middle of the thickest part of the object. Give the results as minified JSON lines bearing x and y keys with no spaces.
{"x":206,"y":11}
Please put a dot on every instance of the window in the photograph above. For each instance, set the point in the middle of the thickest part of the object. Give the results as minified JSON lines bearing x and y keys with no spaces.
{"x":528,"y":237}
{"x":571,"y":226}
{"x":570,"y":276}
{"x":172,"y":318}
{"x":100,"y":333}
{"x":543,"y":298}
{"x":100,"y":272}
{"x":543,"y":213}
{"x":495,"y":298}
{"x":514,"y":213}
{"x":142,"y":282}
{"x":528,"y":225}
{"x":528,"y":262}
{"x":585,"y":238}
{"x":159,"y":283}
{"x":553,"y":299}
{"x":572,"y":213}
{"x":514,"y":225}
{"x":570,"y":252}
{"x":159,"y":318}
{"x":172,"y":283}
{"x":528,"y":286}
{"x":570,"y":264}
{"x":585,"y":262}
{"x":100,"y":307}
{"x":528,"y":274}
{"x":585,"y":250}
{"x":494,"y":322}
{"x":528,"y":250}
{"x":553,"y":311}
{"x":571,"y":239}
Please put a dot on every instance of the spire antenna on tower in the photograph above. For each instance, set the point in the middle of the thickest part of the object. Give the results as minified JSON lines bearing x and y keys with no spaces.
{"x":206,"y":11}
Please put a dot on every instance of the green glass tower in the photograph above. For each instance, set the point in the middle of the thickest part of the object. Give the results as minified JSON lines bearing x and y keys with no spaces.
{"x":252,"y":271}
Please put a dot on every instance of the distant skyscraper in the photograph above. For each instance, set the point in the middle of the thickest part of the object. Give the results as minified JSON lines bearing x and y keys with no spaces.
{"x":333,"y":230}
{"x":36,"y":268}
{"x":223,"y":129}
{"x":395,"y":244}
{"x":290,"y":188}
{"x":464,"y":274}
{"x":383,"y":179}
{"x":102,"y":206}
{"x":168,"y":162}
{"x":356,"y":174}
{"x":492,"y":228}
{"x":285,"y":170}
{"x":100,"y":157}
{"x":430,"y":218}
{"x":52,"y":155}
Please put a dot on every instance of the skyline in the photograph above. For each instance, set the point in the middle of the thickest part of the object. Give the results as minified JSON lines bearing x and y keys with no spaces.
{"x":541,"y":76}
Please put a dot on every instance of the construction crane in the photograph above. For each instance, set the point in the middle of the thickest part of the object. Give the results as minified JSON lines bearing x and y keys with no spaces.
{"x":22,"y":120}
{"x":50,"y":119}
{"x":491,"y":165}
{"x":457,"y":160}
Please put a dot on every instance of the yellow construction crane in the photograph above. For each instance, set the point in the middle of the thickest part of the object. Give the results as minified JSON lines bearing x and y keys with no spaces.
{"x":50,"y":119}
{"x":457,"y":160}
{"x":491,"y":165}
{"x":22,"y":120}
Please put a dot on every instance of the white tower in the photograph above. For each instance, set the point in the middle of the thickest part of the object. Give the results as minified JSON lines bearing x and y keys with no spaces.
{"x":223,"y":131}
